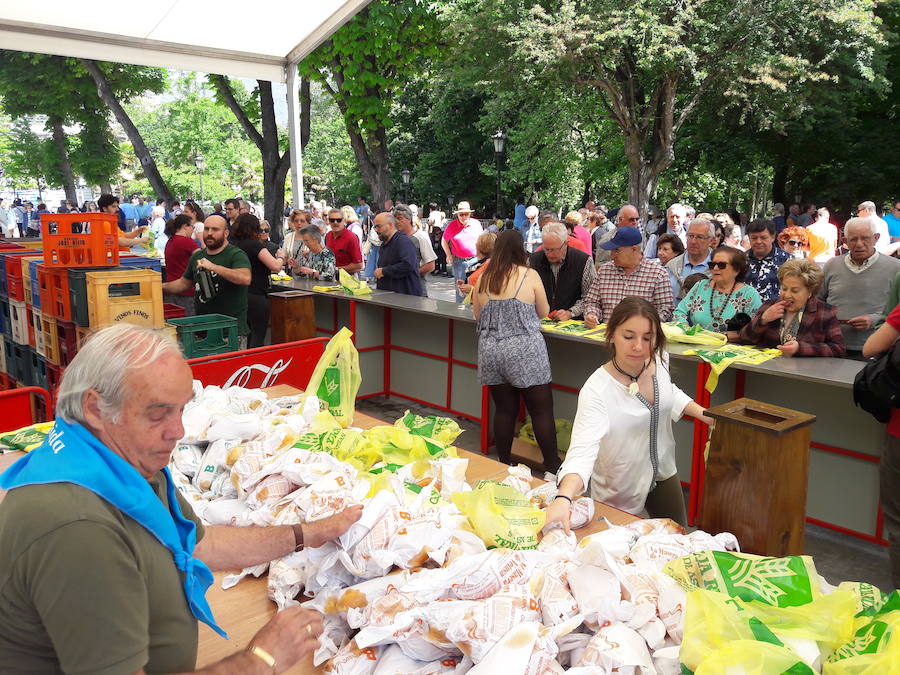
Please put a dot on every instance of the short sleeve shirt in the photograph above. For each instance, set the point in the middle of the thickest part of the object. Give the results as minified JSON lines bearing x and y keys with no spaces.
{"x":259,"y":273}
{"x":424,"y":251}
{"x":178,"y":251}
{"x":345,"y":247}
{"x":230,"y":299}
{"x":86,"y":589}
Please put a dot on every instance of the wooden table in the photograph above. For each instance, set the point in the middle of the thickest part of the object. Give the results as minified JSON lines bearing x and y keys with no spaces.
{"x":244,"y":609}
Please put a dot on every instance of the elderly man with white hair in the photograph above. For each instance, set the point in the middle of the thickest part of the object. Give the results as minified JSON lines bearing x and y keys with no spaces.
{"x":867,"y":210}
{"x":531,"y":230}
{"x":566,"y":272}
{"x":858,"y":283}
{"x":676,"y":223}
{"x":696,"y":257}
{"x":104,"y":565}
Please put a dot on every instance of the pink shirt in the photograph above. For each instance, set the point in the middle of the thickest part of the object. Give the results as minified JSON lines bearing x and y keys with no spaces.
{"x":582,"y":235}
{"x":461,"y":239}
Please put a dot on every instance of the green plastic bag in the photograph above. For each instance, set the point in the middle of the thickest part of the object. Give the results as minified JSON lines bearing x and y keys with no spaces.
{"x":442,"y":429}
{"x":336,"y":379}
{"x":501,"y":515}
{"x":353,"y":286}
{"x":563,"y":434}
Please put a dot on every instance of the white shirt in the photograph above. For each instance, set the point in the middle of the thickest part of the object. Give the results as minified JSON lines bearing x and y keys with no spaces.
{"x":881,"y":227}
{"x":610,"y":448}
{"x":424,"y":249}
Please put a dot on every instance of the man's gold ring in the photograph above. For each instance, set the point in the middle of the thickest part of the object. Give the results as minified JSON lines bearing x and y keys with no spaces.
{"x":309,"y":629}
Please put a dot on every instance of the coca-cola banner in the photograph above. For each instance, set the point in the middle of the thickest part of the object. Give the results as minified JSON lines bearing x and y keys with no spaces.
{"x":290,"y":363}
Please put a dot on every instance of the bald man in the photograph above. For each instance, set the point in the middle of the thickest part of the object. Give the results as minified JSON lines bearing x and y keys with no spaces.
{"x":227,"y":273}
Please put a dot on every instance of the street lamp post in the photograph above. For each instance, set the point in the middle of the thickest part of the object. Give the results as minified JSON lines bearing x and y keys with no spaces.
{"x":200,"y":164}
{"x":404,"y":175}
{"x":499,"y":144}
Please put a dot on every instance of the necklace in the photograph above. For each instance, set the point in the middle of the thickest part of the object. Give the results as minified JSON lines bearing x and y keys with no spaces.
{"x":633,"y":387}
{"x":717,"y":316}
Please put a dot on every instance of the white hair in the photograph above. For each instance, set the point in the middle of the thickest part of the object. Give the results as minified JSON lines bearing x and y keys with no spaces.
{"x":676,"y":205}
{"x":158,"y":212}
{"x":706,"y":223}
{"x":868,"y":206}
{"x":103,"y":363}
{"x":867,"y":222}
{"x":532,"y":212}
{"x":557,"y":230}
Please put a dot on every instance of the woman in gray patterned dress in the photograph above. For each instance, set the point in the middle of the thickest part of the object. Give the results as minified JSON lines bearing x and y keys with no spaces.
{"x":509,"y":302}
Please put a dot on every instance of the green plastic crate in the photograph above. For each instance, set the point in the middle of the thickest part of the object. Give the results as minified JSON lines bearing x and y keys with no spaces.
{"x":206,"y":334}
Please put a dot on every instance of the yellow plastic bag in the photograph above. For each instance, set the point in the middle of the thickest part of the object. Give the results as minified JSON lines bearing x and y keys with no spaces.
{"x":501,"y":515}
{"x":875,"y":647}
{"x":328,"y":289}
{"x":26,"y":438}
{"x":353,"y":286}
{"x":749,"y":657}
{"x":722,"y":357}
{"x":394,"y":445}
{"x":678,"y":331}
{"x":336,"y":378}
{"x":442,"y":429}
{"x":563,"y":434}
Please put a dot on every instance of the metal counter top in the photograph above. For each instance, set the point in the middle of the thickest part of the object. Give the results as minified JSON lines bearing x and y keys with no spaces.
{"x":823,"y":370}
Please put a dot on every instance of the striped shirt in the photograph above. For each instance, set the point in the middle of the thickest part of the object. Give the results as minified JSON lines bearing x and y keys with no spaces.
{"x":611,"y":284}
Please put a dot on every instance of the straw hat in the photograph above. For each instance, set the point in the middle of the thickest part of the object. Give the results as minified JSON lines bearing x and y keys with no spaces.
{"x":463,"y":207}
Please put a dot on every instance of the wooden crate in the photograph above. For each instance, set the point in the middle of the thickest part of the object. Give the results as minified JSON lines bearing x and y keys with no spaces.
{"x":133,"y":296}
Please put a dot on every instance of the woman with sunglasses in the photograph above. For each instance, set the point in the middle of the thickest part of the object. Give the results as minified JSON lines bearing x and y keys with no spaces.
{"x":715,"y":303}
{"x":795,"y":241}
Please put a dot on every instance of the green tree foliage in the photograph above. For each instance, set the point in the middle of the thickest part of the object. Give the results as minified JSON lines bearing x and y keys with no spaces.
{"x":649,"y":63}
{"x":194,"y":125}
{"x":363,"y":66}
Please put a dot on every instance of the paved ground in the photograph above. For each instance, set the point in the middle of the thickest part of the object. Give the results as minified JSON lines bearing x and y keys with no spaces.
{"x":838,"y":557}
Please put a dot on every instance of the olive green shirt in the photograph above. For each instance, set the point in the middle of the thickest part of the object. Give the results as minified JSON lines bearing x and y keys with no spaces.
{"x":86,"y":589}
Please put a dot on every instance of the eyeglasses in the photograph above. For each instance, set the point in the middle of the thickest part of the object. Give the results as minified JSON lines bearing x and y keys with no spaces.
{"x":719,"y":265}
{"x":697,"y":236}
{"x":794,"y":243}
{"x":554,"y":250}
{"x":335,"y":220}
{"x":266,"y":230}
{"x":632,"y":220}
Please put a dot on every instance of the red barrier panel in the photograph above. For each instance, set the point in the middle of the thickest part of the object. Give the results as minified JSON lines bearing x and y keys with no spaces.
{"x":289,"y":363}
{"x":18,"y":412}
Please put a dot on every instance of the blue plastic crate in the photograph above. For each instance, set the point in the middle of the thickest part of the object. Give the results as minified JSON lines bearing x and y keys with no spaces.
{"x":35,"y":283}
{"x":38,"y":369}
{"x":5,"y":320}
{"x":141,"y":263}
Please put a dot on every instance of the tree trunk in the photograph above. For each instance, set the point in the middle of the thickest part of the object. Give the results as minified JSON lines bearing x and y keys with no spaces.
{"x":779,"y":181}
{"x":104,"y":91}
{"x":106,"y":189}
{"x":65,"y":166}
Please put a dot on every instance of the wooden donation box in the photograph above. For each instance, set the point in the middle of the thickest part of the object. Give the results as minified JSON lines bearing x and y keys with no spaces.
{"x":293,"y":316}
{"x":756,"y":476}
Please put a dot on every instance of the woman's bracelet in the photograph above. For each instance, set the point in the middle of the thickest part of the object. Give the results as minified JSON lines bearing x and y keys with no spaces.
{"x":563,"y":497}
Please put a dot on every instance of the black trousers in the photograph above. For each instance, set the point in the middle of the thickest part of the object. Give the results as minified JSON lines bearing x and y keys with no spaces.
{"x":258,"y":319}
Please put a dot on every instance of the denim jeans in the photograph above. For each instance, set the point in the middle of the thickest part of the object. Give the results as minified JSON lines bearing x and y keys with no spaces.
{"x":459,"y":273}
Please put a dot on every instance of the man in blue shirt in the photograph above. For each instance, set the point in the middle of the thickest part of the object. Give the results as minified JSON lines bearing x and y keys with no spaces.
{"x":764,"y":259}
{"x":695,"y":258}
{"x":893,"y":221}
{"x":397,"y":268}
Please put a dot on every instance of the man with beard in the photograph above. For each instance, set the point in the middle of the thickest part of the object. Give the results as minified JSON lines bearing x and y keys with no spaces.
{"x":397,"y":269}
{"x":221,"y":273}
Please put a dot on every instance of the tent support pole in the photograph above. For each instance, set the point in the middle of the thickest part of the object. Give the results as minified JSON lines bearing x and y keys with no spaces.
{"x":293,"y":105}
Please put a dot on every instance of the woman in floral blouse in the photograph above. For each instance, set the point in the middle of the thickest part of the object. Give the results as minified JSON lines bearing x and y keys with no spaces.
{"x":317,"y":260}
{"x":711,"y":304}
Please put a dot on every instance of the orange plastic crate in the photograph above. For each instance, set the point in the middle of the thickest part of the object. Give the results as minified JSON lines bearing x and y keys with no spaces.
{"x":80,"y":239}
{"x":54,"y":284}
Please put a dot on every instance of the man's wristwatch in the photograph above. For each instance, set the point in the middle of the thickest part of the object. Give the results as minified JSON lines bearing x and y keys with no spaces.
{"x":298,"y":537}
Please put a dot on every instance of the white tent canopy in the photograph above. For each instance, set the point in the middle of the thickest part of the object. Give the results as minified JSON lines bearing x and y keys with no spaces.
{"x":262,"y":39}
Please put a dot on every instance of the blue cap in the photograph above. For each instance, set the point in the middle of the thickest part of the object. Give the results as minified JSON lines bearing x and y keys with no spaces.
{"x":625,"y":236}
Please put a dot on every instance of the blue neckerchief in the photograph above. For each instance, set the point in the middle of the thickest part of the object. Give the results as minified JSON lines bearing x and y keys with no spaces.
{"x":71,"y":454}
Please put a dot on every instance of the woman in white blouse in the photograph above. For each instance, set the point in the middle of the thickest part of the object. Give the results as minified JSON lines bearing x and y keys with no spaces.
{"x":622,"y":442}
